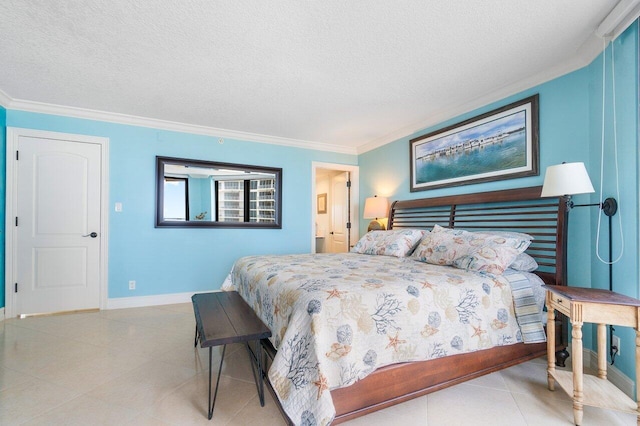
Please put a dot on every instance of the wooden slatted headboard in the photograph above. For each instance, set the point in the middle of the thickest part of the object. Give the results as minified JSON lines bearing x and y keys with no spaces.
{"x":517,"y":210}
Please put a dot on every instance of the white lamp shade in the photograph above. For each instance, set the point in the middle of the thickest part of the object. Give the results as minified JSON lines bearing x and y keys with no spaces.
{"x":375,"y":207}
{"x":566,"y":179}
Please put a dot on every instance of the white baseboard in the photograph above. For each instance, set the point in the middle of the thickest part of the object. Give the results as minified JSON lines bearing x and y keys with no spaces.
{"x":145,"y":301}
{"x":614,"y":375}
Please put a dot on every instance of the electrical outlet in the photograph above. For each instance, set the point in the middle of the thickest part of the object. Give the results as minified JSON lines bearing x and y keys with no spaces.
{"x":132,"y":285}
{"x":615,"y":341}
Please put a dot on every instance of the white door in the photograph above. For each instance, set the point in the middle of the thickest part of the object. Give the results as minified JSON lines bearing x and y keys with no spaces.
{"x":339,"y":213}
{"x":57,"y":237}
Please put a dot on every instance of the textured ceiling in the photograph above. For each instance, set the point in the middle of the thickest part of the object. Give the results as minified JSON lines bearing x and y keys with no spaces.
{"x":344,"y":73}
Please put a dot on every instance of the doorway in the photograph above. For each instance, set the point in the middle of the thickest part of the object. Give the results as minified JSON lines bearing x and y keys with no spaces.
{"x":335,"y":208}
{"x":56,"y":222}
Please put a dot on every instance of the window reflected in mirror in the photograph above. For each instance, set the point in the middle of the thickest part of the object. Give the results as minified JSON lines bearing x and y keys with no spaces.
{"x":175,"y":198}
{"x":210,"y":194}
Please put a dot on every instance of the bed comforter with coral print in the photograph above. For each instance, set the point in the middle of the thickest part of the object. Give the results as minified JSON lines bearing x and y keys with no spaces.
{"x":337,"y":317}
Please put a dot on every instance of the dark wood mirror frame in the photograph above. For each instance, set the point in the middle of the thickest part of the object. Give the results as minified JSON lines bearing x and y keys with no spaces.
{"x":160,"y":220}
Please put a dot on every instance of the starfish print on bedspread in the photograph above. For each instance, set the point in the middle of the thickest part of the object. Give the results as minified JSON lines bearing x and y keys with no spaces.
{"x":322,"y":384}
{"x":498,"y":283}
{"x":335,"y":293}
{"x":394,"y":342}
{"x":478,"y":331}
{"x":427,"y":284}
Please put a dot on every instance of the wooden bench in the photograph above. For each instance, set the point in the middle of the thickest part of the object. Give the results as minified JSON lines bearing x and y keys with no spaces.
{"x":223,"y":318}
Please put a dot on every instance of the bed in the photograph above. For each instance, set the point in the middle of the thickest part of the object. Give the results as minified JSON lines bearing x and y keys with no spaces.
{"x":371,"y":321}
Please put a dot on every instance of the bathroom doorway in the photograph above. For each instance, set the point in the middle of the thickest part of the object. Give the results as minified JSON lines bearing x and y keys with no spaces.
{"x":335,"y":208}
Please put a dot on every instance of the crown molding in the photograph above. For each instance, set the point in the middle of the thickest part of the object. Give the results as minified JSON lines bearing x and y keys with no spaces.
{"x":5,"y":99}
{"x":132,"y":120}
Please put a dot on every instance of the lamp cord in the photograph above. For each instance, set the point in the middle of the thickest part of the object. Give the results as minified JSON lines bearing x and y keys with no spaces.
{"x":615,"y":151}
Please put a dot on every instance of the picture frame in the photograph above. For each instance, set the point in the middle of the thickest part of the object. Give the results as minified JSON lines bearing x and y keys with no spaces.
{"x":322,"y":203}
{"x":500,"y":144}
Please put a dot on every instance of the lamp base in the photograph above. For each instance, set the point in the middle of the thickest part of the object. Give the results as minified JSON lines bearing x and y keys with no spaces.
{"x":610,"y":206}
{"x":375,"y":225}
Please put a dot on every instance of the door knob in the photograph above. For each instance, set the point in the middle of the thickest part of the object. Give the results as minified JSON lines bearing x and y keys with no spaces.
{"x":92,"y":235}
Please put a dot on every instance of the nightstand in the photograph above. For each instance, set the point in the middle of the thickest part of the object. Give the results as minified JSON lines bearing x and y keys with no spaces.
{"x":595,"y":306}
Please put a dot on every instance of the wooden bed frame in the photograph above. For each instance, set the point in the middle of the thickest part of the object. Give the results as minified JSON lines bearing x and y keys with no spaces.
{"x":518,"y":210}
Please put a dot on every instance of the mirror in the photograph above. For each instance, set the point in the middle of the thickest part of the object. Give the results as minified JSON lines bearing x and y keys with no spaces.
{"x":196,"y":193}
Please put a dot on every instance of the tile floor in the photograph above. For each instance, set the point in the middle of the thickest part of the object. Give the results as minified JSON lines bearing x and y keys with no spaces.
{"x":138,"y":367}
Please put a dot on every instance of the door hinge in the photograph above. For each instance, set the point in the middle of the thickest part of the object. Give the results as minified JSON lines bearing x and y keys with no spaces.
{"x":348,"y":184}
{"x":16,"y":220}
{"x":17,"y":155}
{"x":16,"y":288}
{"x":348,"y":225}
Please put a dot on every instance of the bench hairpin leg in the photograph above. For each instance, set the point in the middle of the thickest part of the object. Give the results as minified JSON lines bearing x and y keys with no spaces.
{"x":253,"y":362}
{"x":256,"y":364}
{"x":261,"y":391}
{"x":195,"y":342}
{"x":212,"y":404}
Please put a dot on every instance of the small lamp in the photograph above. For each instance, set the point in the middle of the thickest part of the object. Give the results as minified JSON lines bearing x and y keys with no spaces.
{"x":571,"y":179}
{"x":566,"y":179}
{"x":375,"y":207}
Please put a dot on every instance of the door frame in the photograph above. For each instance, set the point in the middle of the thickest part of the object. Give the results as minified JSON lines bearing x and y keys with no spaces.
{"x":355,"y":198}
{"x":13,"y":135}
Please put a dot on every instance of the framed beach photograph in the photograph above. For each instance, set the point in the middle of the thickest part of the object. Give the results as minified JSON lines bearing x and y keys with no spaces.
{"x":500,"y":144}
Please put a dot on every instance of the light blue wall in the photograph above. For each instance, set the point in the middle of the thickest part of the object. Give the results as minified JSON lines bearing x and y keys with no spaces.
{"x":625,"y":272}
{"x":570,"y":108}
{"x":3,"y":149}
{"x":163,"y":261}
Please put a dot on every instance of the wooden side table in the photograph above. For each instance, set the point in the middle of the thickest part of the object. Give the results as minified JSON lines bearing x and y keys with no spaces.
{"x":595,"y":306}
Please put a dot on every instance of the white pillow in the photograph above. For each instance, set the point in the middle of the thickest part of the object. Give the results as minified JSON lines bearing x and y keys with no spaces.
{"x":525,"y":263}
